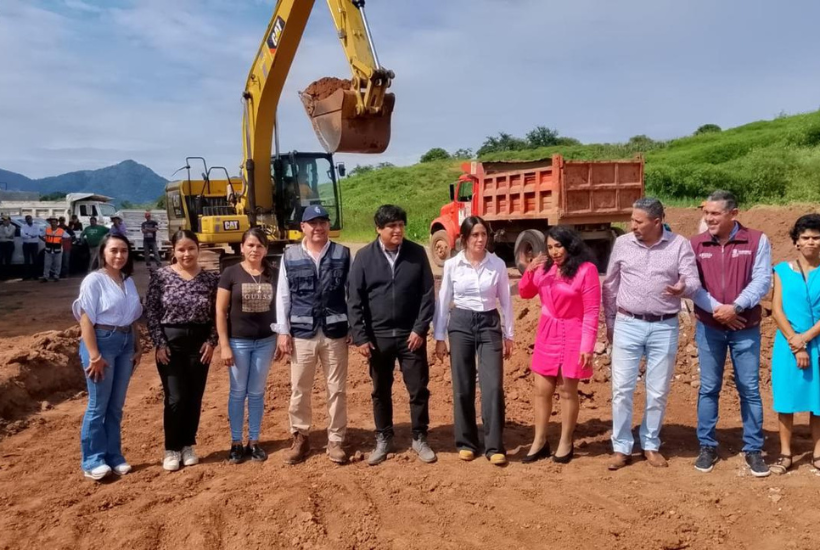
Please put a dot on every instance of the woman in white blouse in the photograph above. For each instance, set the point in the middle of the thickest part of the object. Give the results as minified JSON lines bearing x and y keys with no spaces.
{"x":476,"y":282}
{"x":107,"y":309}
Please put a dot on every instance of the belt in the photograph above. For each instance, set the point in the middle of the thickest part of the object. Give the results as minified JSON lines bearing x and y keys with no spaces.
{"x":124,"y":330}
{"x":646,"y":317}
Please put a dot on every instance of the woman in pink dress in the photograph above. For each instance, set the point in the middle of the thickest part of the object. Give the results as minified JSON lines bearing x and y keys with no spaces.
{"x":567,"y":282}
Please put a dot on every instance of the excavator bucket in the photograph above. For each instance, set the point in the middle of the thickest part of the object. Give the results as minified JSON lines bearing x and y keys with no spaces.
{"x":341,"y":130}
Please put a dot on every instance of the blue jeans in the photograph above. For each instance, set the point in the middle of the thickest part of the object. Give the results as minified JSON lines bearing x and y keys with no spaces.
{"x":249,"y":374}
{"x":634,"y":339}
{"x":100,"y":435}
{"x":744,"y":347}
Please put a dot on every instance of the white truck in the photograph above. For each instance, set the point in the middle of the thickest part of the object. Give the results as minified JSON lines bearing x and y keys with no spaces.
{"x":83,"y":205}
{"x":133,"y":224}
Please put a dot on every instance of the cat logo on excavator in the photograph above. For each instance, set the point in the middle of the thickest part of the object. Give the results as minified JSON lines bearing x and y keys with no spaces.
{"x":276,"y":34}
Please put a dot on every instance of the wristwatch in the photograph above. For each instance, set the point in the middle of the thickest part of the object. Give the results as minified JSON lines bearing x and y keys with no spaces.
{"x":738,"y":309}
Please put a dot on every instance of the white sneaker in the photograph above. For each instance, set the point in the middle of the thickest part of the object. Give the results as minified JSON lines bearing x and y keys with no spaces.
{"x":189,"y":457}
{"x":98,"y":473}
{"x":171,"y":461}
{"x":122,"y":469}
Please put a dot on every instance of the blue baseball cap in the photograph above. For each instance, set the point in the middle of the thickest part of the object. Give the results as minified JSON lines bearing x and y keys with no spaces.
{"x":313,"y":212}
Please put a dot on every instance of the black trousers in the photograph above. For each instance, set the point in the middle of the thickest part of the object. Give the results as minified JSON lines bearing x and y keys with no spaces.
{"x":477,"y":334}
{"x":30,"y":251}
{"x":416,"y":373}
{"x":6,"y":252}
{"x":183,"y":380}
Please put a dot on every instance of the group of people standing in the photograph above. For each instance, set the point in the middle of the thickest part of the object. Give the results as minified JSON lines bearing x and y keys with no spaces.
{"x":383,"y":302}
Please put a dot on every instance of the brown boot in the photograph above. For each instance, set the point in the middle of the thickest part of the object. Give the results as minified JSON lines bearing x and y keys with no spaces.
{"x":336,"y":452}
{"x":655,"y":459}
{"x":619,"y":460}
{"x":299,"y":449}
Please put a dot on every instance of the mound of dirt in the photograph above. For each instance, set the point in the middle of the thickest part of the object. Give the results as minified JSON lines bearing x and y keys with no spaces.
{"x":322,"y":89}
{"x":36,"y":370}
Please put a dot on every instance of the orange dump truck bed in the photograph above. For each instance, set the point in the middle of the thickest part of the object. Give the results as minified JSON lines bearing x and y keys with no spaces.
{"x":557,"y":190}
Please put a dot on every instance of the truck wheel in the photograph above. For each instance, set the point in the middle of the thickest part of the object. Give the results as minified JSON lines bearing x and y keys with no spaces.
{"x":529,"y":244}
{"x":440,"y":248}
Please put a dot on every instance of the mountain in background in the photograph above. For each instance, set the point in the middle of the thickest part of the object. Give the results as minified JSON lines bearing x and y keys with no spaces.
{"x":127,"y":181}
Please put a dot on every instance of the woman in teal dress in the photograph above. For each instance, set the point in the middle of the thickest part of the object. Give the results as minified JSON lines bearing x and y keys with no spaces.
{"x":796,"y":359}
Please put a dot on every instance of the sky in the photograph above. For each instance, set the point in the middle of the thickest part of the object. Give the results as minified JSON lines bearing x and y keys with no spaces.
{"x":88,"y":83}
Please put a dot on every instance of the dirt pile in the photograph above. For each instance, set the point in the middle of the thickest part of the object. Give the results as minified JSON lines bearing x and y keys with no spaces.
{"x":36,"y":371}
{"x":322,"y":89}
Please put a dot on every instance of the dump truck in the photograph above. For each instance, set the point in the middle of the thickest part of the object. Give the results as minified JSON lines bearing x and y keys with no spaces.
{"x":83,"y":205}
{"x":521,"y":200}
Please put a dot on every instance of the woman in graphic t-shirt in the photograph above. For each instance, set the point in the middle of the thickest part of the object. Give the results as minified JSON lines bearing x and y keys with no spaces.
{"x":245,"y":311}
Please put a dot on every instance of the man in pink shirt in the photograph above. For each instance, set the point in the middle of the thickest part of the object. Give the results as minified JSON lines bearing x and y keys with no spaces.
{"x":649,"y":271}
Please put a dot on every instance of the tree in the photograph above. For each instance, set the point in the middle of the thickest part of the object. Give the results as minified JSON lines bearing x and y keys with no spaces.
{"x":641,"y":141}
{"x":55,"y":196}
{"x":436,"y":153}
{"x":463,"y":154}
{"x":541,"y":136}
{"x":504,"y":142}
{"x":161,"y":202}
{"x":361,"y":169}
{"x":385,"y":165}
{"x":127,"y":205}
{"x":708,"y":129}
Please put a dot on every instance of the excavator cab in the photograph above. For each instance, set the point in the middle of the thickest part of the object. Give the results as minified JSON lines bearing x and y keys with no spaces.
{"x":302,"y":180}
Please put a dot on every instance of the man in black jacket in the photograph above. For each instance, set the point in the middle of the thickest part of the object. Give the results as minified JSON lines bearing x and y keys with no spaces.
{"x":391,"y":305}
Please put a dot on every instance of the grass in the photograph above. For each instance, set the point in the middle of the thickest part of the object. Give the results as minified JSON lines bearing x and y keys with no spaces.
{"x":764,"y":162}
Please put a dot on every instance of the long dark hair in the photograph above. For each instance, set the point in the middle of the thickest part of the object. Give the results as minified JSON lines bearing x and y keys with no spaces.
{"x":577,"y":250}
{"x":262,"y":237}
{"x":128,"y":269}
{"x":467,"y":227}
{"x":180,"y":235}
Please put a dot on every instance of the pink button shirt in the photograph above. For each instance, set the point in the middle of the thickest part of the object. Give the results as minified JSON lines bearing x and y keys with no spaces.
{"x":638,"y":275}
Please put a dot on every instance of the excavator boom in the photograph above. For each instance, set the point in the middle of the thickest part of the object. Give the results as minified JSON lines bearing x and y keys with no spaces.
{"x":351,"y":116}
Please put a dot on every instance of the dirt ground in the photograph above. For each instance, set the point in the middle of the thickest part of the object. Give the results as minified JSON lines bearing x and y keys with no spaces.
{"x":45,"y":501}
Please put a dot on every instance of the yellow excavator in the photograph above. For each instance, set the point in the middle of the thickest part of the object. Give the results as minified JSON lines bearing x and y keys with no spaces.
{"x":348,"y":116}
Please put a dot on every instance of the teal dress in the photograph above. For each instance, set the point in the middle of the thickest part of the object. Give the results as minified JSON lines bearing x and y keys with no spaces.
{"x":797,"y":390}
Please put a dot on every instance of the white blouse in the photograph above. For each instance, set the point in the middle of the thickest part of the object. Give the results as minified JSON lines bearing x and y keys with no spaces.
{"x":480,"y":288}
{"x":106,"y":303}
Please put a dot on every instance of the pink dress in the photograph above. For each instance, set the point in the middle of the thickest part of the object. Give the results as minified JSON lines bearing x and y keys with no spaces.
{"x":569,"y":319}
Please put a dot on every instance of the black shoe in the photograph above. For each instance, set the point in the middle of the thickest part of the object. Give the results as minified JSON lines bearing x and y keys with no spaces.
{"x":756,"y":464}
{"x":543,"y":452}
{"x":237,"y":454}
{"x":566,"y":458}
{"x":707,"y":459}
{"x":256,"y":453}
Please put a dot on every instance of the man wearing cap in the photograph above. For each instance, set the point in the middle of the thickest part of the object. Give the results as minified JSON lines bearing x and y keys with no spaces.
{"x":30,"y":235}
{"x":118,"y":227}
{"x":6,"y":246}
{"x":93,"y":235}
{"x":311,"y":320}
{"x":53,"y":258}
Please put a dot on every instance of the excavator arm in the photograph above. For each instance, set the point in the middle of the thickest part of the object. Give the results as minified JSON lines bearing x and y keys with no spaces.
{"x":348,"y":115}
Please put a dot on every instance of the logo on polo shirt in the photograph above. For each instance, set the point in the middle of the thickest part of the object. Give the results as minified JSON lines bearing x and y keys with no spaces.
{"x":705,"y":255}
{"x":736,"y":253}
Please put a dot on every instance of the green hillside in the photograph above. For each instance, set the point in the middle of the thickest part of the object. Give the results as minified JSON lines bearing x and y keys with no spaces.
{"x":771,"y":162}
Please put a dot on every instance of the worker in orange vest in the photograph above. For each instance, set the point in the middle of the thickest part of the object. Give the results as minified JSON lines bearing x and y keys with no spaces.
{"x":53,"y":258}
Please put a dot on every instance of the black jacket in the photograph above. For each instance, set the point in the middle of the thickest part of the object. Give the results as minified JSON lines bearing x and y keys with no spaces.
{"x":382,"y":303}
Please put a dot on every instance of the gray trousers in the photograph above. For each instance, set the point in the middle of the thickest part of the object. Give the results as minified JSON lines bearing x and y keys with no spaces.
{"x":149,"y":246}
{"x":477,"y":334}
{"x":52,"y":263}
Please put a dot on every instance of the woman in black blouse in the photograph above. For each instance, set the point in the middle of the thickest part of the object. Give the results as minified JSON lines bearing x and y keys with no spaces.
{"x":181,"y":304}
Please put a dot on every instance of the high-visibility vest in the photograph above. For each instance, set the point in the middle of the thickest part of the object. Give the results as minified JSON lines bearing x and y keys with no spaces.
{"x":54,"y":239}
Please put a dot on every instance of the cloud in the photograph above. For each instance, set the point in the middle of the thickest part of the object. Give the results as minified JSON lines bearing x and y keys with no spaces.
{"x":87,"y":83}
